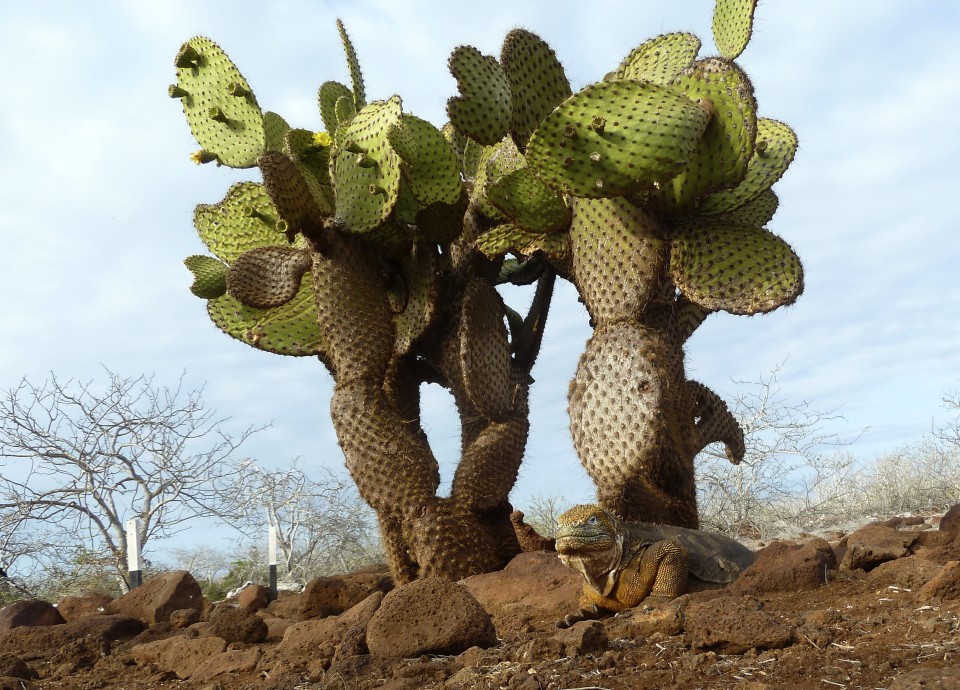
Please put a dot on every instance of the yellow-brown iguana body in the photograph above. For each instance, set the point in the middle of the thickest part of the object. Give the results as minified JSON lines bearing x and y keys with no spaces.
{"x":624,"y":563}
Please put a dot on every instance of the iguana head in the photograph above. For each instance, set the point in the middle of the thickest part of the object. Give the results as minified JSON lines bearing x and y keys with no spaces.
{"x":586,"y":528}
{"x":590,"y":541}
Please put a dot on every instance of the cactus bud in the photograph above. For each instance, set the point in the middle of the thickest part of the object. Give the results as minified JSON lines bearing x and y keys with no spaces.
{"x":176,"y":92}
{"x":237,"y":89}
{"x":217,"y":114}
{"x":200,"y":157}
{"x":187,"y":57}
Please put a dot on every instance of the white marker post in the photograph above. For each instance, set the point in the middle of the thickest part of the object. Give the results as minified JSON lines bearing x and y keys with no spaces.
{"x":134,"y":562}
{"x":272,"y":558}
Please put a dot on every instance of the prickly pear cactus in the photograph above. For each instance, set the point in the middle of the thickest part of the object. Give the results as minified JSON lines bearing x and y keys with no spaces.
{"x":649,"y":190}
{"x":376,"y":243}
{"x":358,"y":248}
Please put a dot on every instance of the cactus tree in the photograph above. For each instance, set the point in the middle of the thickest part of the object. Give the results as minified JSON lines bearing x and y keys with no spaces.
{"x":648,"y":191}
{"x":358,"y":248}
{"x":377,"y":243}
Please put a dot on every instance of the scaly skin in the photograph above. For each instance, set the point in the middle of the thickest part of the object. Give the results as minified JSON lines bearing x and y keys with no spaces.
{"x":619,"y":570}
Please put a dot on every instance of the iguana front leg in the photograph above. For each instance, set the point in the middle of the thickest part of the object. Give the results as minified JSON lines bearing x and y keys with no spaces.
{"x":658,"y":569}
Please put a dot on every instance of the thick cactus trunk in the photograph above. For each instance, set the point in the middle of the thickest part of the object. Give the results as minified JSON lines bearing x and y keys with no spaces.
{"x":629,"y":414}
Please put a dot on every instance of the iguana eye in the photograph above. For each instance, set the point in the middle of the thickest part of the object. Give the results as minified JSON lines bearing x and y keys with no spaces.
{"x":592,"y":520}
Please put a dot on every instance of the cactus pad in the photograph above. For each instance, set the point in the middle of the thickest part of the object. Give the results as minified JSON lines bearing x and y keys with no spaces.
{"x":245,"y":219}
{"x":290,"y":193}
{"x":288,"y":330}
{"x":496,"y":161}
{"x":721,"y":158}
{"x":528,"y":202}
{"x":275,"y":128}
{"x":430,"y":163}
{"x":209,"y":276}
{"x":623,"y":405}
{"x":537,"y":82}
{"x":660,"y":59}
{"x":352,"y":308}
{"x":618,"y":259}
{"x":733,"y":26}
{"x":312,"y":160}
{"x":367,"y":169}
{"x":715,"y":422}
{"x":773,"y":152}
{"x":441,"y":223}
{"x":221,"y":110}
{"x":330,"y":92}
{"x":356,"y":76}
{"x":739,"y":269}
{"x":613,"y":138}
{"x":267,"y":277}
{"x":422,"y":292}
{"x":483,"y":110}
{"x":485,"y":352}
{"x":757,"y":212}
{"x":509,"y":238}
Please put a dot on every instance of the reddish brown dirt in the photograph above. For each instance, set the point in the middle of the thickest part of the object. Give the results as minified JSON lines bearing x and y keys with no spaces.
{"x":896,"y":627}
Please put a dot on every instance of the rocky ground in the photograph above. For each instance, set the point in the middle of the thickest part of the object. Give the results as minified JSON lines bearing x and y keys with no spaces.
{"x":878,"y":608}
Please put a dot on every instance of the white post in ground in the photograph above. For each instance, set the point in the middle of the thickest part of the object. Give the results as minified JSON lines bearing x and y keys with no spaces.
{"x":272,"y":557}
{"x":134,"y":561}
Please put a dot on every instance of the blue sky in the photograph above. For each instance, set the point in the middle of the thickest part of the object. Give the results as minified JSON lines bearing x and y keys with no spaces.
{"x":98,"y":191}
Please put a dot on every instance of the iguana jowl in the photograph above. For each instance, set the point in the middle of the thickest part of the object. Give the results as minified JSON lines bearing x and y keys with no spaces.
{"x":624,"y":563}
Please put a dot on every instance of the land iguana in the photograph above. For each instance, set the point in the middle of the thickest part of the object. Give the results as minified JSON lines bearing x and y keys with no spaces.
{"x":624,"y":563}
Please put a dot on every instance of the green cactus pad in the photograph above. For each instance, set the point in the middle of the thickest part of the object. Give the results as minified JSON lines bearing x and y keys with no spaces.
{"x":331,"y":92}
{"x":245,"y":219}
{"x":613,"y":138}
{"x":509,"y":238}
{"x":757,"y":212}
{"x":209,"y":276}
{"x":773,"y":152}
{"x":430,"y":163}
{"x":356,"y":76}
{"x":739,"y":269}
{"x":472,"y":153}
{"x":483,"y":110}
{"x":733,"y":26}
{"x":288,"y":330}
{"x":528,"y":202}
{"x":495,"y":162}
{"x":275,"y":129}
{"x":345,"y":112}
{"x":290,"y":193}
{"x":537,"y":82}
{"x":419,"y":268}
{"x":312,"y":158}
{"x":485,"y":352}
{"x":721,"y":158}
{"x":618,"y":258}
{"x":220,"y":107}
{"x":660,"y":59}
{"x":267,"y":277}
{"x":368,"y":183}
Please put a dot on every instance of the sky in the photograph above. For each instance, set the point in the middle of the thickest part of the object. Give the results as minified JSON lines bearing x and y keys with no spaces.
{"x":97,"y":193}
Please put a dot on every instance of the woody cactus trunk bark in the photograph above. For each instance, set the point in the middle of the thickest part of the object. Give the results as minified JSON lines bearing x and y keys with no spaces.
{"x":377,"y":244}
